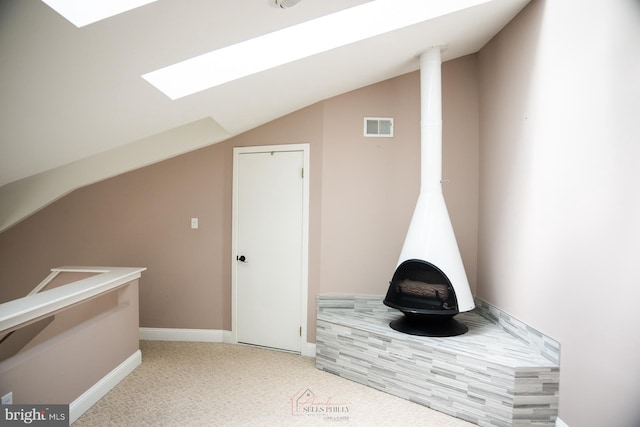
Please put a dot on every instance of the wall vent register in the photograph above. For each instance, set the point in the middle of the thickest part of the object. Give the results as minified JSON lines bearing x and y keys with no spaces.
{"x":378,"y":127}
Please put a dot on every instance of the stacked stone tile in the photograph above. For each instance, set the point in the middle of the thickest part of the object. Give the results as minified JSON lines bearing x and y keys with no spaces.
{"x":500,"y":373}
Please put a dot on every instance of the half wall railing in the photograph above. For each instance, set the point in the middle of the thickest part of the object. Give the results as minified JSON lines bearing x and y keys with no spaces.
{"x":72,"y":338}
{"x":40,"y":304}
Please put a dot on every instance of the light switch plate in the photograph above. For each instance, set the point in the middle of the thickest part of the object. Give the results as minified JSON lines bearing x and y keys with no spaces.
{"x":194,"y":223}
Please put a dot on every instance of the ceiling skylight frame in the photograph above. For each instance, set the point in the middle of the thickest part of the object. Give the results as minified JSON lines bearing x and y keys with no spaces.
{"x":85,"y":12}
{"x":297,"y":42}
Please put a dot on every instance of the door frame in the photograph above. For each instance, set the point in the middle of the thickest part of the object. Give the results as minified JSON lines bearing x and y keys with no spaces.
{"x":304,"y":291}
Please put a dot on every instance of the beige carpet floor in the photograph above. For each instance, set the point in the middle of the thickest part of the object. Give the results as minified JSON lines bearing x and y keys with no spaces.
{"x":207,"y":384}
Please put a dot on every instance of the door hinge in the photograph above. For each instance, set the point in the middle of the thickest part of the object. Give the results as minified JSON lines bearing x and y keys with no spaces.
{"x":302,"y":172}
{"x":300,"y":330}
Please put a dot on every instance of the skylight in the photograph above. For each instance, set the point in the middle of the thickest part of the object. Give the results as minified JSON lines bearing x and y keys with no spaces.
{"x":299,"y":41}
{"x":84,"y":12}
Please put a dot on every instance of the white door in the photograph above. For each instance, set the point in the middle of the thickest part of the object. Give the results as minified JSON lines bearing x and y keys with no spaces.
{"x":270,"y":235}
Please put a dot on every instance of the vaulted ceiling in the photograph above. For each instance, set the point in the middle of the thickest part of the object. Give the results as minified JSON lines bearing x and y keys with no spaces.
{"x":70,"y":93}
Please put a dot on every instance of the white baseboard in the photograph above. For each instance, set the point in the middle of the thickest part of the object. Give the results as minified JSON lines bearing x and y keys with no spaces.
{"x":560,"y":423}
{"x":227,"y":337}
{"x":102,"y":387}
{"x":172,"y":334}
{"x":202,"y":335}
{"x":309,"y":350}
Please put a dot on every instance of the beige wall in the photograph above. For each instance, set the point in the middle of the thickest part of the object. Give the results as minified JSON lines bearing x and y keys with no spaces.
{"x":559,"y":206}
{"x":370,"y":185}
{"x":461,"y":151}
{"x":363,"y":191}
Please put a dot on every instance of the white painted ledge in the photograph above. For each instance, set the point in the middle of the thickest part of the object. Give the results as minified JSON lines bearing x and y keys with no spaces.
{"x":24,"y":310}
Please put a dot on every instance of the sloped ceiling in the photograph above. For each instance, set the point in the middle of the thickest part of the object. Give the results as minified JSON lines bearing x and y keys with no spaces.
{"x":70,"y":94}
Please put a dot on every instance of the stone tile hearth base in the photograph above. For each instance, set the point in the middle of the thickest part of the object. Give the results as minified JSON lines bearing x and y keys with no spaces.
{"x":500,"y":373}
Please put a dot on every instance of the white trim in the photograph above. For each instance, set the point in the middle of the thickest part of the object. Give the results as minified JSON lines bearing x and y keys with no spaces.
{"x":227,"y":337}
{"x":305,"y":148}
{"x":45,"y":282}
{"x":203,"y":335}
{"x":23,"y":310}
{"x":560,"y":423}
{"x":102,"y":387}
{"x":193,"y":335}
{"x":309,"y":350}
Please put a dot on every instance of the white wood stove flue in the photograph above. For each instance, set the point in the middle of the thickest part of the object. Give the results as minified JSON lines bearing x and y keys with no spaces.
{"x":430,"y":256}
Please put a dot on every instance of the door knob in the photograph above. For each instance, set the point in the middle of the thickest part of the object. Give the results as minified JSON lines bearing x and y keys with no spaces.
{"x":241,"y":258}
